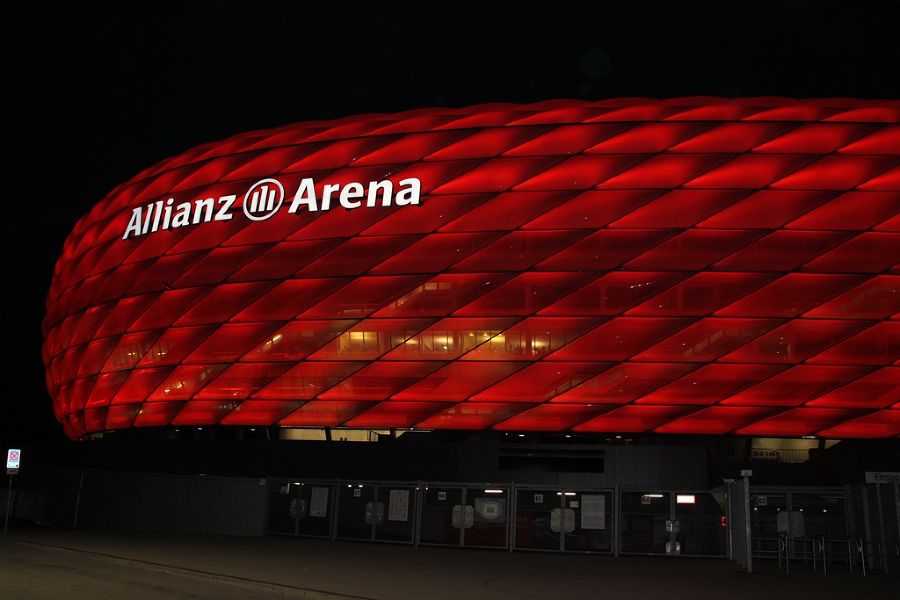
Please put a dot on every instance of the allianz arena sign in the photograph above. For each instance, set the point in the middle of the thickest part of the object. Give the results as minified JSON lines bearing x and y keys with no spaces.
{"x":264,"y":199}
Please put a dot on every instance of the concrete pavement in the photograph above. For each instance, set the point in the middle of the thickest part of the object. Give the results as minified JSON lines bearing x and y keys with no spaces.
{"x":239,"y":567}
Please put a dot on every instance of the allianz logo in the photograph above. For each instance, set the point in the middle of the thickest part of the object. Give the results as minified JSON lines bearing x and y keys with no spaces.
{"x":265,"y":198}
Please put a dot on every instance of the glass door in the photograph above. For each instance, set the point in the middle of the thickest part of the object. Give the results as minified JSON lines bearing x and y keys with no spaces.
{"x":591,"y":521}
{"x":564,"y":520}
{"x":442,"y":517}
{"x":646,"y":523}
{"x":699,"y":524}
{"x":485,"y":516}
{"x":539,"y":519}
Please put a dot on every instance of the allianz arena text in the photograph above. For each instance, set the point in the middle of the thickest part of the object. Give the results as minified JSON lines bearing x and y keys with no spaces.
{"x":686,"y":266}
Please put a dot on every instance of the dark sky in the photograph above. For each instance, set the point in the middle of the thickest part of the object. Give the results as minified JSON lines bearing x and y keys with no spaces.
{"x":93,"y":95}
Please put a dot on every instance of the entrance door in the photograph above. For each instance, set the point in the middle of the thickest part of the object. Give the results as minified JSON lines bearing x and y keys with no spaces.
{"x":699,"y":519}
{"x":465,"y":516}
{"x":383,"y":512}
{"x":645,"y":521}
{"x":300,"y":508}
{"x":564,"y":520}
{"x":672,"y":523}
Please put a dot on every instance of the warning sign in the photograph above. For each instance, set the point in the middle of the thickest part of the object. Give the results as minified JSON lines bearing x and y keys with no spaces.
{"x":13,"y":457}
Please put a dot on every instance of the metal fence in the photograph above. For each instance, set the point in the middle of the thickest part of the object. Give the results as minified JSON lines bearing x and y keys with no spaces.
{"x":851,"y":529}
{"x":502,"y":516}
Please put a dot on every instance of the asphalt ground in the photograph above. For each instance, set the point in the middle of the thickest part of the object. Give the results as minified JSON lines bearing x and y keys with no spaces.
{"x":44,"y":563}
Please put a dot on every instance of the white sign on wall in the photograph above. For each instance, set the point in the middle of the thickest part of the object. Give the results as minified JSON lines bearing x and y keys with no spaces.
{"x":13,"y":457}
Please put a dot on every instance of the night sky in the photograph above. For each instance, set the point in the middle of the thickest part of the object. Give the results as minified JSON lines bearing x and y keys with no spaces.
{"x":93,"y":95}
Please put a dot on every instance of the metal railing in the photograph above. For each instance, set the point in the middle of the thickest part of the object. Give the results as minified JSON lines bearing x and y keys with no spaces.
{"x":819,"y":551}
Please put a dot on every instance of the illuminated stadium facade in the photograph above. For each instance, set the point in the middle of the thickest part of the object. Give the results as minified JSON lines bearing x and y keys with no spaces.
{"x":688,"y":266}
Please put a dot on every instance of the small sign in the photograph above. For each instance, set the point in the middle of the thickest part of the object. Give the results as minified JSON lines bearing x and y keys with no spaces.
{"x":538,"y":498}
{"x":746,"y":472}
{"x":13,"y":457}
{"x":573,"y":504}
{"x":764,"y":454}
{"x":762,"y":500}
{"x":398,"y":505}
{"x":442,"y":495}
{"x":357,"y":492}
{"x":871,"y":476}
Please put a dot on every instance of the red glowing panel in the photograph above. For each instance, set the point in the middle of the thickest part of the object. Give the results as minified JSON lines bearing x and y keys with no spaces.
{"x":472,"y":415}
{"x":241,"y":380}
{"x":157,"y":414}
{"x":442,"y":294}
{"x":307,"y":380}
{"x":794,"y":341}
{"x":396,"y":414}
{"x":701,"y":294}
{"x":799,"y":421}
{"x":138,"y":385}
{"x":790,"y":295}
{"x":613,"y":293}
{"x":678,"y":208}
{"x":550,"y":417}
{"x":684,"y":266}
{"x":458,"y":381}
{"x":876,"y":298}
{"x":709,"y":384}
{"x":853,"y":210}
{"x":875,"y":390}
{"x":297,"y":339}
{"x":604,"y":250}
{"x":522,"y":295}
{"x":229,"y":342}
{"x":731,"y":137}
{"x":369,"y":339}
{"x":633,"y":419}
{"x":707,"y":340}
{"x":540,"y":382}
{"x":185,"y":381}
{"x":694,"y":249}
{"x":877,"y":345}
{"x":715,"y":420}
{"x":796,"y":386}
{"x":881,"y":424}
{"x":619,"y":339}
{"x":532,"y":338}
{"x":380,"y":380}
{"x":259,"y":412}
{"x":625,"y":382}
{"x":449,"y":338}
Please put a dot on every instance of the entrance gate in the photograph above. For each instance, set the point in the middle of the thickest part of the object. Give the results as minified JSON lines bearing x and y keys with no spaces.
{"x":471,"y":515}
{"x":690,"y":523}
{"x":567,"y":520}
{"x":769,"y":527}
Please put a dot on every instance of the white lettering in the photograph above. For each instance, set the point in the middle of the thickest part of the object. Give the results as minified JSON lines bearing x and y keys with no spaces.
{"x":306,"y":195}
{"x":385,"y":186}
{"x":183,"y":214}
{"x":157,"y":212}
{"x":165,"y":214}
{"x":134,"y":224}
{"x":353,"y":190}
{"x":207,"y":205}
{"x":226,"y":202}
{"x":410,"y":195}
{"x":326,"y":194}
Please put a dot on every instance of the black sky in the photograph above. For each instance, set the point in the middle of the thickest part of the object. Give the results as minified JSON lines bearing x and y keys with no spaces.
{"x":94,"y":94}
